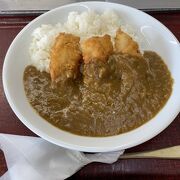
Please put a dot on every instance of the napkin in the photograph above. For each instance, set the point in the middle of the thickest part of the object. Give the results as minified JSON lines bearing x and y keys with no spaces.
{"x":33,"y":158}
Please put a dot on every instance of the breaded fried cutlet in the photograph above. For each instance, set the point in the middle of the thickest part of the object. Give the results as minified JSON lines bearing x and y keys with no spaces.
{"x":125,"y":44}
{"x":97,"y":48}
{"x":65,"y":57}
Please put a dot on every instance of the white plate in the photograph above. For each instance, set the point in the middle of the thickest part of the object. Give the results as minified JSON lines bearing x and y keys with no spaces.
{"x":159,"y":39}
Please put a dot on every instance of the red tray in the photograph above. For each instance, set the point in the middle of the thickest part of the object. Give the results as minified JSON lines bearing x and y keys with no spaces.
{"x":134,"y":168}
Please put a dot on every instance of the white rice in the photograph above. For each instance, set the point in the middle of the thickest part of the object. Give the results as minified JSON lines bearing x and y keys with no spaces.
{"x":86,"y":24}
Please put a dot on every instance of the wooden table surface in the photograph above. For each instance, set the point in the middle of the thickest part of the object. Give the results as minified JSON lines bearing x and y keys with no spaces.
{"x":131,"y":168}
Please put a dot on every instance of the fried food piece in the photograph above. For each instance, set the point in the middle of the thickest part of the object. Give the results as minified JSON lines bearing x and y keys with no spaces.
{"x":125,"y":44}
{"x":97,"y":48}
{"x":65,"y":57}
{"x":96,"y":51}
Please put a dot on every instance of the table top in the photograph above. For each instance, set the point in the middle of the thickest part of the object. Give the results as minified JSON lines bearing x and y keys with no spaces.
{"x":133,"y":168}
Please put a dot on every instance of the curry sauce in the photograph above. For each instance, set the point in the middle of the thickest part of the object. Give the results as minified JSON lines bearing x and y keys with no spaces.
{"x":113,"y":98}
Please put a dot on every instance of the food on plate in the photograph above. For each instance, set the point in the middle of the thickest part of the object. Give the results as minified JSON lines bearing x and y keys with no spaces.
{"x":95,"y":82}
{"x":97,"y":48}
{"x":65,"y":57}
{"x":96,"y":51}
{"x":85,"y":25}
{"x":125,"y":44}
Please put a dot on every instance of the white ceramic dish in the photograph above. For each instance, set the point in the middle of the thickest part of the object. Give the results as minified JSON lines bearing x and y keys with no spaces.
{"x":158,"y":38}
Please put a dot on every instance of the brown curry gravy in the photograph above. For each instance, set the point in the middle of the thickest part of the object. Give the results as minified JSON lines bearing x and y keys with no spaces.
{"x":134,"y":93}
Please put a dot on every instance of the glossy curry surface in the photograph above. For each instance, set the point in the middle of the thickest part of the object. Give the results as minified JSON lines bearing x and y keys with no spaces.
{"x":106,"y":99}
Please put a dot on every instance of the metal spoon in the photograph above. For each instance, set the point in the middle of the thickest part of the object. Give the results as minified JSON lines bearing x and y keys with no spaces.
{"x":165,"y":153}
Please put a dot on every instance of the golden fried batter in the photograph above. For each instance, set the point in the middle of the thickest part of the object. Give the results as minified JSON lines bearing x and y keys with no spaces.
{"x":125,"y":44}
{"x":97,"y":48}
{"x":65,"y":56}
